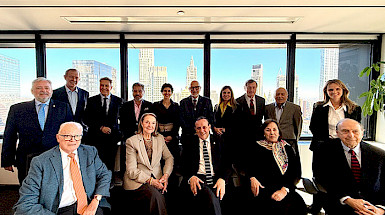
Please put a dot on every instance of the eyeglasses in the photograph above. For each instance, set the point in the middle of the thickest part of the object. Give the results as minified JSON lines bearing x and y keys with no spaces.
{"x":195,"y":88}
{"x":68,"y":137}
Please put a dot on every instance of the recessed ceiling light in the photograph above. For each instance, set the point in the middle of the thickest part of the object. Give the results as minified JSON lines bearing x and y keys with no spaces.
{"x":180,"y":13}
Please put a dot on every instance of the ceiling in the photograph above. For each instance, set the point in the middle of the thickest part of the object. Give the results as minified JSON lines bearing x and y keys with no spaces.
{"x":323,"y":16}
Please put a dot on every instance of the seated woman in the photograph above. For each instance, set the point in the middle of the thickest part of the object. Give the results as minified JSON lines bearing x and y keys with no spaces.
{"x":144,"y":178}
{"x":273,"y":170}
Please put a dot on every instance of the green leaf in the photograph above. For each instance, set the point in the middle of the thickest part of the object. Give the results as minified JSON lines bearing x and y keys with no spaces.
{"x":365,"y":71}
{"x":376,"y":67}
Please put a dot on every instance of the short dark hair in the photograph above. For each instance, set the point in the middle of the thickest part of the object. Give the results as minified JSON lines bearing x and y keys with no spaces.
{"x":200,"y":118}
{"x":267,"y":122}
{"x":167,"y":85}
{"x":69,"y":70}
{"x":250,"y":81}
{"x":106,"y":79}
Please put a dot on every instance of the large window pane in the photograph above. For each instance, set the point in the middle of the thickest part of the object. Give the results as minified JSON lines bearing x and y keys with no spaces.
{"x":92,"y":61}
{"x":155,"y":64}
{"x":266,"y":63}
{"x":17,"y":70}
{"x":315,"y":66}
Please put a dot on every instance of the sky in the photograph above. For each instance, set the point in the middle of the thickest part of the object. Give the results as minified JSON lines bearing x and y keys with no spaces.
{"x":228,"y":66}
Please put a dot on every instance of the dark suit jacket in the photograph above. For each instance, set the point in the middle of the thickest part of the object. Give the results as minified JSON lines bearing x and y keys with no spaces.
{"x":94,"y":118}
{"x":22,"y":123}
{"x":42,"y":189}
{"x":189,"y":115}
{"x":337,"y":178}
{"x":60,"y":94}
{"x":319,"y":125}
{"x":128,"y":123}
{"x":190,"y":159}
{"x":290,"y":122}
{"x":248,"y":123}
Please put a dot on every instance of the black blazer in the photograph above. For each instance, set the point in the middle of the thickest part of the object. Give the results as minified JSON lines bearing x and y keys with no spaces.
{"x":22,"y":123}
{"x":128,"y":123}
{"x":190,"y":159}
{"x":60,"y":94}
{"x":337,"y":178}
{"x":170,"y":115}
{"x":94,"y":117}
{"x":319,"y":125}
{"x":188,"y":115}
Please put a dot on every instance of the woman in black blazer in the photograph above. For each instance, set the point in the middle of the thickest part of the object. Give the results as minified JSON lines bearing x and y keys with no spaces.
{"x":323,"y":124}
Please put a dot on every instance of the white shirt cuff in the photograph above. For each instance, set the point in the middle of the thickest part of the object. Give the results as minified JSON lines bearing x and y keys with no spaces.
{"x":343,"y":199}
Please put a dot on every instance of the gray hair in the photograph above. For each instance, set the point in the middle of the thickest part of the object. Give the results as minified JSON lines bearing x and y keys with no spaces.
{"x":40,"y":79}
{"x":78,"y":125}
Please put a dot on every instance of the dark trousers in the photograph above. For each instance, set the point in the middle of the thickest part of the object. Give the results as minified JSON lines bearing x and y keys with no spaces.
{"x":147,"y":200}
{"x":71,"y":210}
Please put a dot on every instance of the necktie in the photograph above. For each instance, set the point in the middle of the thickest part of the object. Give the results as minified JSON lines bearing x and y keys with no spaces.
{"x":78,"y":185}
{"x":252,"y":107}
{"x":206,"y":157}
{"x":41,"y":115}
{"x":105,"y":105}
{"x":195,"y":103}
{"x":355,"y":166}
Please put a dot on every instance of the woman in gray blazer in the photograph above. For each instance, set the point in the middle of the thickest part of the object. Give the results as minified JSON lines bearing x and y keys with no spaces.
{"x":144,"y":178}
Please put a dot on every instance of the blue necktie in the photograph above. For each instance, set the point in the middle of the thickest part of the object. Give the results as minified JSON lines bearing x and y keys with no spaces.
{"x":41,"y":116}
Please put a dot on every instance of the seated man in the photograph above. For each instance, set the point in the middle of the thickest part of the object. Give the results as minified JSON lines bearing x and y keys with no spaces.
{"x":204,"y":171}
{"x":56,"y":185}
{"x":351,"y":172}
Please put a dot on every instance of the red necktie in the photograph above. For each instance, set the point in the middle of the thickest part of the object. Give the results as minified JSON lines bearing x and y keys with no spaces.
{"x":252,"y":107}
{"x":78,"y":185}
{"x":355,"y":166}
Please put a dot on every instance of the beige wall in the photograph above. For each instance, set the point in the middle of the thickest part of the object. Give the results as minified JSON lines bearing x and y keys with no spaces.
{"x":7,"y":177}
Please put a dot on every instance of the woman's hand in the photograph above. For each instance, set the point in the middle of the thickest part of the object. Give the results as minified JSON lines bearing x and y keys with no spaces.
{"x":156,"y":183}
{"x":167,"y":139}
{"x":279,"y":194}
{"x":219,"y":131}
{"x":255,"y":186}
{"x":164,"y":181}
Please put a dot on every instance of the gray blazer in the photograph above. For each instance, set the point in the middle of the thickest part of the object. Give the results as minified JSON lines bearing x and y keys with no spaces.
{"x":42,"y":189}
{"x":139,"y":168}
{"x":290,"y":121}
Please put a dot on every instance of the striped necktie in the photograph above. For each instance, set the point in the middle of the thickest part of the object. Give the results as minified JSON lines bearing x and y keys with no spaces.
{"x":78,"y":185}
{"x":206,"y":157}
{"x":41,"y":115}
{"x":355,"y":166}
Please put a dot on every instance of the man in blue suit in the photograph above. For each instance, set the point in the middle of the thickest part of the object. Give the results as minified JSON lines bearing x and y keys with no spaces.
{"x":49,"y":187}
{"x":73,"y":95}
{"x":35,"y":124}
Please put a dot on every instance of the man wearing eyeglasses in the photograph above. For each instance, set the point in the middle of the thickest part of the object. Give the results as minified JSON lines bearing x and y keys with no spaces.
{"x":193,"y":107}
{"x":67,"y":179}
{"x":352,"y":172}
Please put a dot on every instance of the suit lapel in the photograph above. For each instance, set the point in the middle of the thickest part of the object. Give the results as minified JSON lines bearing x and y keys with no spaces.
{"x":50,"y":115}
{"x":154,"y":149}
{"x":58,"y":168}
{"x":285,"y":112}
{"x":82,"y":163}
{"x":65,"y":95}
{"x":80,"y":100}
{"x":365,"y":163}
{"x":31,"y":108}
{"x":112,"y":103}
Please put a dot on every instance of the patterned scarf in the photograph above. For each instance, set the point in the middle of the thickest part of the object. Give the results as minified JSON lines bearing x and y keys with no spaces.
{"x":279,"y":153}
{"x":148,"y":145}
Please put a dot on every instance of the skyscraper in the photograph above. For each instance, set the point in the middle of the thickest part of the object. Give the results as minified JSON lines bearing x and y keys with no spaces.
{"x":158,"y":78}
{"x":191,"y":73}
{"x":329,"y":67}
{"x":9,"y":78}
{"x":90,"y":73}
{"x":257,"y":74}
{"x":281,"y":82}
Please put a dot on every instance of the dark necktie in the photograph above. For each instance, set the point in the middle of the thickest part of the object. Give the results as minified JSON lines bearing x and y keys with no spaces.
{"x":252,"y":106}
{"x":195,"y":103}
{"x":105,"y":106}
{"x":355,"y":166}
{"x":206,"y":157}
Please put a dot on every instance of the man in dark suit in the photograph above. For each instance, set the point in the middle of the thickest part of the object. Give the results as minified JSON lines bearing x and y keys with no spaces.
{"x":51,"y":186}
{"x":193,"y":107}
{"x":288,"y":115}
{"x":352,"y":172}
{"x":251,"y":110}
{"x":101,"y":117}
{"x":73,"y":95}
{"x":35,"y":124}
{"x":205,"y":171}
{"x":131,"y":111}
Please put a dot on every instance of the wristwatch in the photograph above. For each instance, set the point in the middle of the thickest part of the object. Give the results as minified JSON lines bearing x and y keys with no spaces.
{"x":98,"y":197}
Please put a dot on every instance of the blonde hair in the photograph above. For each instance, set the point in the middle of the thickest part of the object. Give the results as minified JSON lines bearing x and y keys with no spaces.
{"x":345,"y":95}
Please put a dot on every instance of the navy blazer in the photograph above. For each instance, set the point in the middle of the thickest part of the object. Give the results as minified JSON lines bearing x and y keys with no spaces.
{"x":22,"y":123}
{"x":42,"y":189}
{"x":188,"y":115}
{"x":337,"y":178}
{"x":60,"y":94}
{"x":319,"y":124}
{"x":95,"y":118}
{"x":128,"y":123}
{"x":190,"y":159}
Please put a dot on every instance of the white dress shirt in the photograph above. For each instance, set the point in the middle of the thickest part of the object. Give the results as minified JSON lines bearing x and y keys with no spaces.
{"x":279,"y":110}
{"x":334,"y":116}
{"x":108,"y":100}
{"x":202,"y":169}
{"x":68,"y":196}
{"x":254,"y":102}
{"x":72,"y":98}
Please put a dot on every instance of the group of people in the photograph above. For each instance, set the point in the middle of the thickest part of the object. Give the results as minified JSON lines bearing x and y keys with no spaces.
{"x":240,"y":151}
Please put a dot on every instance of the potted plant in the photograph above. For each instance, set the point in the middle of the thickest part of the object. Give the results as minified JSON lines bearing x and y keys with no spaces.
{"x":375,"y":96}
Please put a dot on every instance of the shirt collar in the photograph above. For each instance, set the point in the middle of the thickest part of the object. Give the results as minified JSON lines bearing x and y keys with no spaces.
{"x":65,"y":154}
{"x":37,"y":103}
{"x":248,"y":98}
{"x":356,"y":149}
{"x":282,"y":106}
{"x":207,"y":139}
{"x":192,"y":98}
{"x":68,"y":89}
{"x":329,"y":103}
{"x":108,"y":97}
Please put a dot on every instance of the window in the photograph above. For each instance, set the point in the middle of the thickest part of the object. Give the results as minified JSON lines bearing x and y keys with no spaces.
{"x":17,"y":71}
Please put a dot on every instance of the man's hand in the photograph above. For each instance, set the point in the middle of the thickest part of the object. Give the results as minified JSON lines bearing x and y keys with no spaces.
{"x":164,"y":181}
{"x":105,"y":130}
{"x":157,"y":184}
{"x":194,"y":184}
{"x":363,"y":207}
{"x":220,"y":185}
{"x":9,"y":168}
{"x":255,"y":185}
{"x":91,"y":208}
{"x":279,"y":194}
